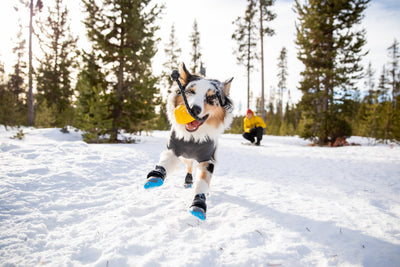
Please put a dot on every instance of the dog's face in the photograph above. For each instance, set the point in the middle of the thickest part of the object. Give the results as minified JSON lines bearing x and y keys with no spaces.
{"x":208,"y":100}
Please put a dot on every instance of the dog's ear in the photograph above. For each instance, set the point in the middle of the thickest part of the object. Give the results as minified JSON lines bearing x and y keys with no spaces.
{"x":227,"y":86}
{"x":184,"y":75}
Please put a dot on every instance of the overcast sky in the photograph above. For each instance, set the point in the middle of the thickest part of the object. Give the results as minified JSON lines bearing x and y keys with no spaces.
{"x":214,"y":18}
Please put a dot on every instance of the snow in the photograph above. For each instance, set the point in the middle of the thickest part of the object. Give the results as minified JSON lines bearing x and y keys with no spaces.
{"x":67,"y":203}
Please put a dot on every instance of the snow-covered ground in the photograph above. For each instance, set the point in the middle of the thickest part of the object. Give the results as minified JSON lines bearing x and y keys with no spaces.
{"x":67,"y":203}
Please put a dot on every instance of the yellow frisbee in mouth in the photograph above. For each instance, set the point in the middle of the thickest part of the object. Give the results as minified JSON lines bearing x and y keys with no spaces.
{"x":182,"y":116}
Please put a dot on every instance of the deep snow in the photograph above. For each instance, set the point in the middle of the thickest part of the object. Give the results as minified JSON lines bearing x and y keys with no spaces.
{"x":66,"y":203}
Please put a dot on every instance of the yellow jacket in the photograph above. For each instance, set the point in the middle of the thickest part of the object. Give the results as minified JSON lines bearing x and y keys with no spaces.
{"x":255,"y":121}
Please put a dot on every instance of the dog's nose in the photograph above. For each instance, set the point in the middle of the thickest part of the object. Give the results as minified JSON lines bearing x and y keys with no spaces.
{"x":196,"y":110}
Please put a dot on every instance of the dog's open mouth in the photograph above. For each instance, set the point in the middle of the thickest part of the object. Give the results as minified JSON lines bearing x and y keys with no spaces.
{"x":194,"y":125}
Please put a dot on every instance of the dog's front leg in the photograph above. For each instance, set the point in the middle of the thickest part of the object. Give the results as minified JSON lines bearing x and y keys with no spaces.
{"x":199,"y":207}
{"x":168,"y":163}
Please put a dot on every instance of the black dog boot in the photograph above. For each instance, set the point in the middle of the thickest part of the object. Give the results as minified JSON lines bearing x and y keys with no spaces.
{"x":155,"y":178}
{"x":188,"y":180}
{"x":199,"y":206}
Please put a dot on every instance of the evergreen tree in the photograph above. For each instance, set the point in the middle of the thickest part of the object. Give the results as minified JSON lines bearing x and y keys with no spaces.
{"x":16,"y":83}
{"x":92,"y":112}
{"x":257,"y":15}
{"x":45,"y":114}
{"x":396,"y":119}
{"x":282,"y":77}
{"x":30,"y":102}
{"x":288,"y":125}
{"x":394,"y":55}
{"x":172,"y":52}
{"x":196,"y":62}
{"x":330,"y":47}
{"x":161,"y":122}
{"x":265,"y":15}
{"x":237,"y":125}
{"x":247,"y":38}
{"x":384,"y":106}
{"x":54,"y":72}
{"x":270,"y":118}
{"x":367,"y":117}
{"x":370,"y":83}
{"x":123,"y":35}
{"x":5,"y":98}
{"x":383,"y":89}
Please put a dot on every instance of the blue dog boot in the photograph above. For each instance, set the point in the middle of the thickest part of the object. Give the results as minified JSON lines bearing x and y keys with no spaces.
{"x":155,"y":178}
{"x":199,"y":207}
{"x":153,"y":182}
{"x":188,"y":181}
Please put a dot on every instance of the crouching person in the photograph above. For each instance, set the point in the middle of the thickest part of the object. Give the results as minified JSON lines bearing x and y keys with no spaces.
{"x":253,"y":127}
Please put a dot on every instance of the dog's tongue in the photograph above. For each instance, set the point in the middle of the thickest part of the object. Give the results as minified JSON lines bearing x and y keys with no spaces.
{"x":193,"y":125}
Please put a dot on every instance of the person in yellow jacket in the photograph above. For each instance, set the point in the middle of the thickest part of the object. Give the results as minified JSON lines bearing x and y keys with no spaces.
{"x":253,"y":127}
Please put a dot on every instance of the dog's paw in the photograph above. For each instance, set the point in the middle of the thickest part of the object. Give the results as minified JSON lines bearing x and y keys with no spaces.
{"x":199,"y":206}
{"x":198,"y":212}
{"x":153,"y":182}
{"x":188,"y":181}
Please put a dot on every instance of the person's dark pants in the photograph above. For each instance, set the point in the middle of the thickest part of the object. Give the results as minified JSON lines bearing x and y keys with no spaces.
{"x":254,"y":132}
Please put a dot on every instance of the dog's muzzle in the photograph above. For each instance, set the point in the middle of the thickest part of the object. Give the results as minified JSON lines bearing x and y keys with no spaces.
{"x":194,"y":125}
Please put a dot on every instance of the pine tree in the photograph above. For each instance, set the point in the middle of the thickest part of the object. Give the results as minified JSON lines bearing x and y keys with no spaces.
{"x":32,"y":11}
{"x":172,"y":52}
{"x":196,"y":63}
{"x":394,"y":55}
{"x":247,"y":37}
{"x":282,"y":77}
{"x":45,"y":115}
{"x":92,"y":114}
{"x":367,"y":117}
{"x":16,"y":83}
{"x":392,"y":124}
{"x":258,"y":14}
{"x":266,"y":15}
{"x":123,"y":35}
{"x":237,"y":125}
{"x":5,"y":99}
{"x":383,"y":97}
{"x":369,"y":83}
{"x":330,"y":47}
{"x":54,"y":72}
{"x":288,"y":126}
{"x":396,"y":119}
{"x":270,"y":118}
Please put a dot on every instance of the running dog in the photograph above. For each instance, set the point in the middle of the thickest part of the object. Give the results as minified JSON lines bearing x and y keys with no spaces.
{"x":198,"y":113}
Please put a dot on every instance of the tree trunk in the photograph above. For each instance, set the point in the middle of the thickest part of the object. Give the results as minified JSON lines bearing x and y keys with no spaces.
{"x":30,"y":71}
{"x":248,"y":65}
{"x":262,"y":63}
{"x":120,"y":83}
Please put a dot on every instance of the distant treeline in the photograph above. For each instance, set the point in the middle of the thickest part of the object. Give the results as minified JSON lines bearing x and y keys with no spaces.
{"x":111,"y":88}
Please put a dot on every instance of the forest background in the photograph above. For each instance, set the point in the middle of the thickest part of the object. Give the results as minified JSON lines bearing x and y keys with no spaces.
{"x":117,"y":81}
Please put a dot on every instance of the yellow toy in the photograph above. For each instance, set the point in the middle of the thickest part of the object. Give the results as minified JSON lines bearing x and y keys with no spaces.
{"x":182,"y":116}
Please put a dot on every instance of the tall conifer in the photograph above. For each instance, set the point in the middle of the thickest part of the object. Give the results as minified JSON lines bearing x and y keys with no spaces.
{"x":282,"y":77}
{"x":330,"y":47}
{"x":246,"y":36}
{"x":172,"y":53}
{"x":196,"y":63}
{"x":54,"y":81}
{"x":123,"y":36}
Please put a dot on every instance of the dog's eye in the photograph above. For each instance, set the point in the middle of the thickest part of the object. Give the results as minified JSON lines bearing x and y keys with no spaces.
{"x":210,"y":99}
{"x":189,"y":91}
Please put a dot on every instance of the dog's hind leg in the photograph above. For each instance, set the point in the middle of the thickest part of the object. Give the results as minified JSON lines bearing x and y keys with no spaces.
{"x":168,"y":163}
{"x":189,"y":177}
{"x":199,"y":207}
